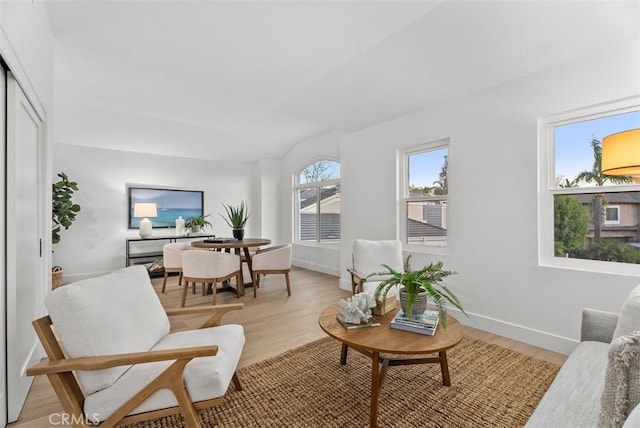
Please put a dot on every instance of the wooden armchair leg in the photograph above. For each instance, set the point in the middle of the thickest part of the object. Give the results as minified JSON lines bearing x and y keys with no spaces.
{"x":236,"y":381}
{"x":184,"y":293}
{"x":164,"y":281}
{"x":255,"y":284}
{"x":215,"y":290}
{"x":286,"y":276}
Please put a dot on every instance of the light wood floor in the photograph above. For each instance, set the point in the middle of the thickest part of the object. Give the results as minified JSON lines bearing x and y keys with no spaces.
{"x":273,"y":323}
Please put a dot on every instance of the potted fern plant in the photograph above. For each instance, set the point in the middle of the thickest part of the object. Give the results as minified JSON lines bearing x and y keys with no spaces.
{"x":236,"y":218}
{"x":417,"y":286}
{"x":198,"y":223}
{"x":63,"y":214}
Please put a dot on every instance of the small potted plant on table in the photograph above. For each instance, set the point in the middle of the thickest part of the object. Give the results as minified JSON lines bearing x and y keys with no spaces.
{"x":198,"y":223}
{"x":236,"y":218}
{"x":416,"y":287}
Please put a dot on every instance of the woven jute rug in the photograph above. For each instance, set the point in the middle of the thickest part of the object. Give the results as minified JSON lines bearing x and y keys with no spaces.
{"x":307,"y":387}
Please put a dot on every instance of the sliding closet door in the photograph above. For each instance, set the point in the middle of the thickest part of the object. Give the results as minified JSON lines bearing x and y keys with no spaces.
{"x":26,"y":284}
{"x":3,"y":277}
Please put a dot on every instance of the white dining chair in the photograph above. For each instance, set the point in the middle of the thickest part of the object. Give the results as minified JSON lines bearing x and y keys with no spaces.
{"x":172,"y":260}
{"x":209,"y":267}
{"x":272,"y":260}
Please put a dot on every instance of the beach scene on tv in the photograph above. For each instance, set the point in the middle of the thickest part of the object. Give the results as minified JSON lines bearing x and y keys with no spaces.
{"x":170,"y":204}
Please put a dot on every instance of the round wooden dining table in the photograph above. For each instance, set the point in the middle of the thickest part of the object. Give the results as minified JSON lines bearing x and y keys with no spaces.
{"x":237,"y":245}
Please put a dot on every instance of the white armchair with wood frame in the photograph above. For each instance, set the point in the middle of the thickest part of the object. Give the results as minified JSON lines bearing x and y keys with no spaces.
{"x":272,"y":260}
{"x":112,"y":359}
{"x":368,"y":258}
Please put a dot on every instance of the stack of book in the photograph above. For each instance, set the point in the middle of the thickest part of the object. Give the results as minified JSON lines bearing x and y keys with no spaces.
{"x":423,"y":324}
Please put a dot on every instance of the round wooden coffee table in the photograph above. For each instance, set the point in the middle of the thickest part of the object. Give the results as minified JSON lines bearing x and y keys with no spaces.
{"x":383,"y":342}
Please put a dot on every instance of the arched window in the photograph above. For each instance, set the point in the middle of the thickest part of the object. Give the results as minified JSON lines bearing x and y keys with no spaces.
{"x":317,"y":198}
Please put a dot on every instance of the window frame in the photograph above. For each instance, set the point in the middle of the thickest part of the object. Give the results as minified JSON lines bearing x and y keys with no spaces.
{"x":547,"y":187}
{"x":405,"y":198}
{"x":317,"y":185}
{"x":612,"y":222}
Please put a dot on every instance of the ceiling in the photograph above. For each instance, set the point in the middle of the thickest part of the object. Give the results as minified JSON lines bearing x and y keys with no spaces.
{"x":242,"y":81}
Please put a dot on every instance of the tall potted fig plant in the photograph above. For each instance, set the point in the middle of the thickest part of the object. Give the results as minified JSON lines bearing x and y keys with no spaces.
{"x":63,"y":214}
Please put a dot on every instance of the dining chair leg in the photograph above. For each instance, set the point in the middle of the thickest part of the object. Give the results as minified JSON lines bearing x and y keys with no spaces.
{"x":184,"y":293}
{"x":180,"y":279}
{"x":254,"y":279}
{"x":164,"y":281}
{"x":238,"y":285}
{"x":286,"y":275}
{"x":215,"y":289}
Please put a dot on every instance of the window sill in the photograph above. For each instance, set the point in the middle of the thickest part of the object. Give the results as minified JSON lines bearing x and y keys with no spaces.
{"x":612,"y":268}
{"x":426,"y":249}
{"x":334,"y":246}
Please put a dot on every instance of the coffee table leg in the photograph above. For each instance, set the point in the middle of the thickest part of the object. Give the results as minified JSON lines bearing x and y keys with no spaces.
{"x":375,"y":389}
{"x":444,"y":366}
{"x":343,"y":354}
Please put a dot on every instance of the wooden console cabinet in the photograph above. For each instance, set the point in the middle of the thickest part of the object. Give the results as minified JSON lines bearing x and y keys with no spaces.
{"x":147,"y":250}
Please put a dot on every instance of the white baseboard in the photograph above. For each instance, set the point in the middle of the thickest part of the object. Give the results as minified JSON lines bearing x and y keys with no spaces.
{"x":316,"y":267}
{"x":530,"y":336}
{"x":345,"y":284}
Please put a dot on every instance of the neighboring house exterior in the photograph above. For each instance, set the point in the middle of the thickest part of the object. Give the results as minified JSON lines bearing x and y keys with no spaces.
{"x":621,"y":216}
{"x":426,"y":220}
{"x":329,"y":215}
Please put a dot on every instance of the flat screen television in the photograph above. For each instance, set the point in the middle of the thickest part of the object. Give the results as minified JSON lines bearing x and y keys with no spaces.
{"x":170,"y":204}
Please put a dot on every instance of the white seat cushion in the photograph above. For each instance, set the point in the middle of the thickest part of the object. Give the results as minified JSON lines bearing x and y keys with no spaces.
{"x":111,"y":314}
{"x":205,"y":378}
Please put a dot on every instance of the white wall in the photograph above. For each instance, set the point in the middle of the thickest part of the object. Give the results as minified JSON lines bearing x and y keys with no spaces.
{"x":266,"y":186}
{"x":95,"y":243}
{"x":320,"y":257}
{"x":493,"y":239}
{"x":25,"y":44}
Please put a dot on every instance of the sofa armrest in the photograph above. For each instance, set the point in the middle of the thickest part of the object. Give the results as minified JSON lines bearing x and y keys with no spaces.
{"x":598,"y":325}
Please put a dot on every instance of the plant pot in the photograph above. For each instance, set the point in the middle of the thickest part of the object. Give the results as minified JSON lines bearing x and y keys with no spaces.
{"x":419,"y":304}
{"x":195,"y":229}
{"x":238,"y":234}
{"x":56,"y":277}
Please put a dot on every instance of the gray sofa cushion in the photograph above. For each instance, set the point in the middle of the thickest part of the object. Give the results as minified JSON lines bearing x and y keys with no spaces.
{"x":622,"y":381}
{"x":573,"y":399}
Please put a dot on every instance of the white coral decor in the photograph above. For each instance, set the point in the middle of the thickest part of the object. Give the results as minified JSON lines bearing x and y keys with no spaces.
{"x":356,"y":309}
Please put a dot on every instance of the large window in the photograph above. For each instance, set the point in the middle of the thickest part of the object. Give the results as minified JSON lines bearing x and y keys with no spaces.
{"x":596,"y":217}
{"x":425,"y":190}
{"x":317,"y":196}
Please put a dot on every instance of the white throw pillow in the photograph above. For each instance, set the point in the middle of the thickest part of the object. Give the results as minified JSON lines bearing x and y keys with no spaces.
{"x":629,"y":318}
{"x":622,"y":380}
